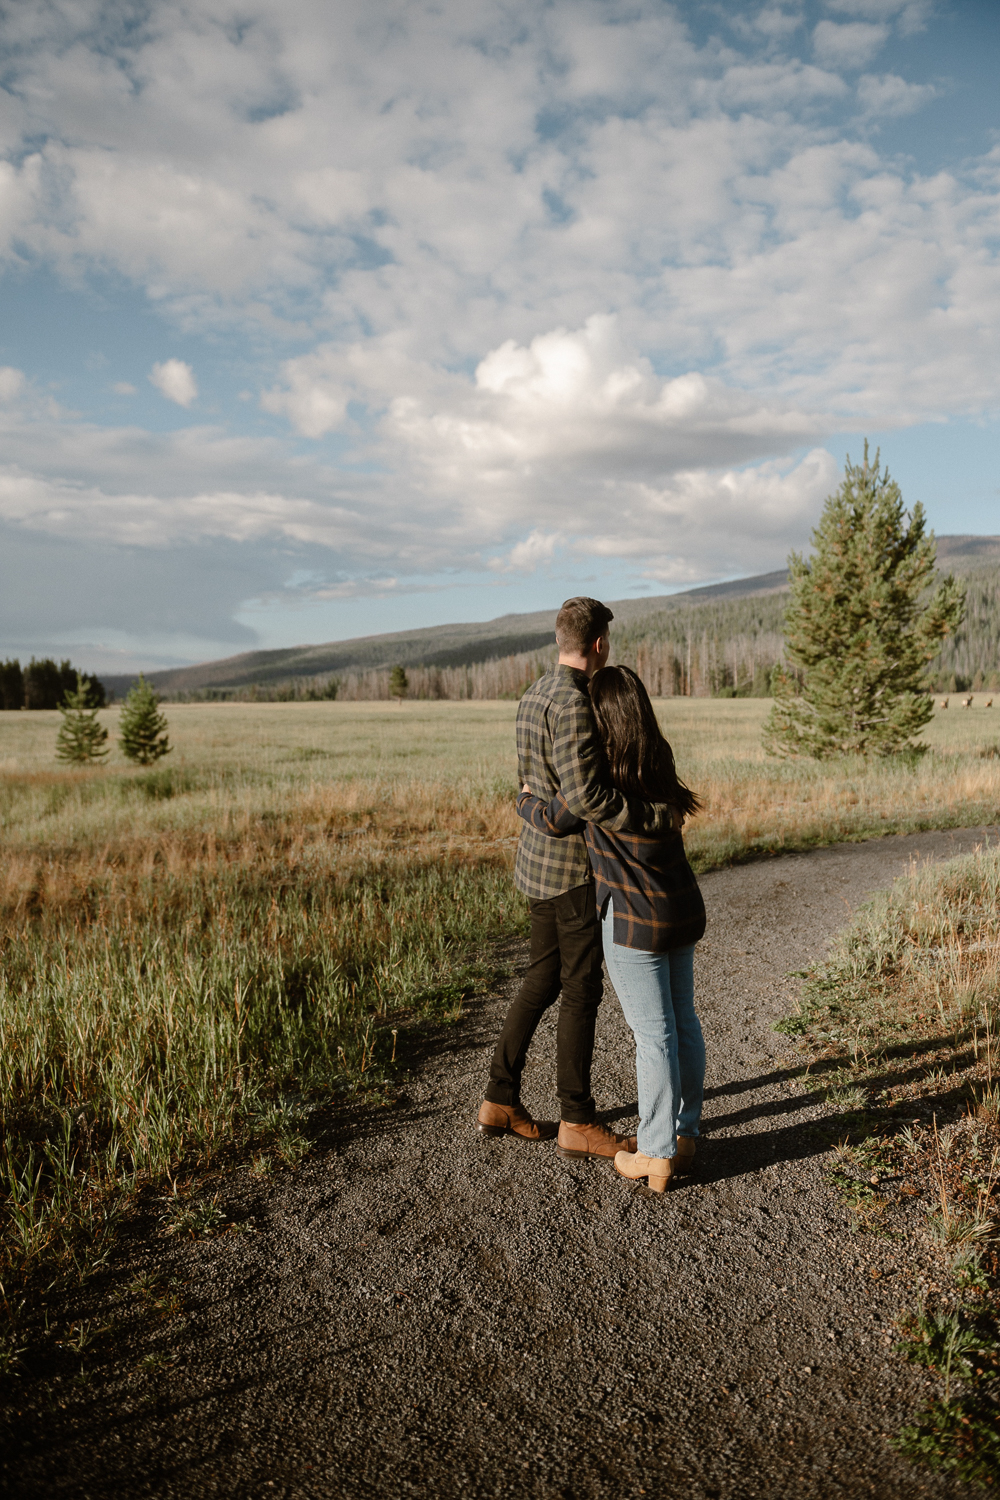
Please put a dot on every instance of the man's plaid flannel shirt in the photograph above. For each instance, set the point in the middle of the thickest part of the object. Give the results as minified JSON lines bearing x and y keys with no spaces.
{"x":558,"y":750}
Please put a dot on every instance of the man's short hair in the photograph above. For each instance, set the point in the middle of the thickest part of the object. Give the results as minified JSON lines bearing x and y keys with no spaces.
{"x":579,"y":623}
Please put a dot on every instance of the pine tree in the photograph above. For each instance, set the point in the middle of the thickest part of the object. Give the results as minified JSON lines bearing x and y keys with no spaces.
{"x":142,"y":728}
{"x":398,"y":684}
{"x":859,"y":631}
{"x":81,"y":738}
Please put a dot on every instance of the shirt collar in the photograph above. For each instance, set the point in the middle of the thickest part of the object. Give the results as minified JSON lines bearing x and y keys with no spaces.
{"x":581,"y":679}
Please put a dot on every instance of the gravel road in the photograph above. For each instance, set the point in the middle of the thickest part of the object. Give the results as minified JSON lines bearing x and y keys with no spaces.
{"x":423,"y":1313}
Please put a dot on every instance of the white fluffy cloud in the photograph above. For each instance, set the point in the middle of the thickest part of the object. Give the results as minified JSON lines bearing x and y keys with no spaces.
{"x":909,"y":15}
{"x":848,"y":46}
{"x":175,"y":380}
{"x":889,"y":96}
{"x":580,"y":406}
{"x":11,"y":382}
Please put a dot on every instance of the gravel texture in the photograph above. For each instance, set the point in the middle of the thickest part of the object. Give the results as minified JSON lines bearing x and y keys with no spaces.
{"x":420,"y":1312}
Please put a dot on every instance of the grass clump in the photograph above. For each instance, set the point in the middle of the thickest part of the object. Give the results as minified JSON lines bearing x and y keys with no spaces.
{"x":905,"y":1014}
{"x":198,"y":1220}
{"x":960,"y":1431}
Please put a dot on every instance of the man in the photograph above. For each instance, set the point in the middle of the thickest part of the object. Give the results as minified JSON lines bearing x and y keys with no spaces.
{"x":558,"y":750}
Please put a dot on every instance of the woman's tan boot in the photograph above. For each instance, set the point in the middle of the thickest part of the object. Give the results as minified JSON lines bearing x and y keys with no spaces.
{"x":684,"y":1160}
{"x":658,"y":1170}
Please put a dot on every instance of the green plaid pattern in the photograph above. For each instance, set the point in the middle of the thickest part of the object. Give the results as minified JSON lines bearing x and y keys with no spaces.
{"x":558,"y":750}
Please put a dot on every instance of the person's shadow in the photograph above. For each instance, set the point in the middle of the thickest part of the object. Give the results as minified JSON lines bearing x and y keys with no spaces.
{"x":721,"y":1156}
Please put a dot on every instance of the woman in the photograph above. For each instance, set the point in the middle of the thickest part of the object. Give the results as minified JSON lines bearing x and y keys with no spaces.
{"x":653,"y":916}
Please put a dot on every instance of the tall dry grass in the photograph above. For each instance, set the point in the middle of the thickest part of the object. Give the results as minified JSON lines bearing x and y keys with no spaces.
{"x":168,"y":990}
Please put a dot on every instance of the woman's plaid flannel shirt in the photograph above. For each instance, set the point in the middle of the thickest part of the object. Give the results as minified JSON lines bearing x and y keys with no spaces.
{"x":657,"y":903}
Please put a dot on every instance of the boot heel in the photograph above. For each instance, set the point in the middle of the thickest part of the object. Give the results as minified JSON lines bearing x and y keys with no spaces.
{"x":657,"y":1184}
{"x":491,"y":1129}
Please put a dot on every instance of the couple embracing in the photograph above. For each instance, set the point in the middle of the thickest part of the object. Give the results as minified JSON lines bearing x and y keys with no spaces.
{"x":601,"y":861}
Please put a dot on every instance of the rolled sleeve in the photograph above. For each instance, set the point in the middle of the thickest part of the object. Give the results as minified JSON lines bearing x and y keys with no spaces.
{"x":554,"y":818}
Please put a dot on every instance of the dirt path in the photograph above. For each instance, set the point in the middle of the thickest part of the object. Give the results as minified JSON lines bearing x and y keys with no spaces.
{"x":423,"y":1313}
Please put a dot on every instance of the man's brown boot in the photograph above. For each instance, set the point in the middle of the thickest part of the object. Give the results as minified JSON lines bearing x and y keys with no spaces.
{"x":592,"y":1139}
{"x":511,"y":1119}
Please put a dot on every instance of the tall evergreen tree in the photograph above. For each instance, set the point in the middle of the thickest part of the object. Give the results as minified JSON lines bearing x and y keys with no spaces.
{"x":859,"y":631}
{"x":81,"y":739}
{"x":142,"y":728}
{"x":398,"y":684}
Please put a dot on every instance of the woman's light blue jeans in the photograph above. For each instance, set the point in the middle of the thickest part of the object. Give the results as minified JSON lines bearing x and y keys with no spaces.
{"x":656,"y":994}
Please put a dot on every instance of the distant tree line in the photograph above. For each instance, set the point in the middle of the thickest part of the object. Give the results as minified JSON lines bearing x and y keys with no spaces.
{"x":44,"y":684}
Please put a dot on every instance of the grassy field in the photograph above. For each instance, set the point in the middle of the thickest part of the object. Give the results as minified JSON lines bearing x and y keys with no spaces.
{"x":194,"y":955}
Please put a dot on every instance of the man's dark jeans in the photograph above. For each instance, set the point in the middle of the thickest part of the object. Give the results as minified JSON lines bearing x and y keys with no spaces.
{"x":565,"y":956}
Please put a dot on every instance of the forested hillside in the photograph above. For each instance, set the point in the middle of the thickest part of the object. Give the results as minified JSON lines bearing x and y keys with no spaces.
{"x":972,"y":658}
{"x":721,"y":640}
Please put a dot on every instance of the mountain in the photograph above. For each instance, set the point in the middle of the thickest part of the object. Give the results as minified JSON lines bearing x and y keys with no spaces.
{"x":466,"y":645}
{"x":433,"y":646}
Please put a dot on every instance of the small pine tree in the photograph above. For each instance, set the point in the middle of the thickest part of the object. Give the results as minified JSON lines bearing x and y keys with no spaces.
{"x":398,"y":684}
{"x":142,"y":728}
{"x":81,"y":738}
{"x":859,"y":631}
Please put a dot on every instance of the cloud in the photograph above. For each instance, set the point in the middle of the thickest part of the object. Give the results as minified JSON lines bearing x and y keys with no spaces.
{"x":175,"y":380}
{"x":533,"y":413}
{"x":744,"y":518}
{"x":909,"y":15}
{"x":891,"y":96}
{"x":313,"y":398}
{"x":572,"y":447}
{"x":177,"y":603}
{"x":537,"y":549}
{"x":776,"y":22}
{"x":848,"y":46}
{"x":11,"y":382}
{"x":621,"y":165}
{"x":123,"y":388}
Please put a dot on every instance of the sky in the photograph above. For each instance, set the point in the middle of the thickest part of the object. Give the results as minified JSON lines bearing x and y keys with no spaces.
{"x":326,"y":319}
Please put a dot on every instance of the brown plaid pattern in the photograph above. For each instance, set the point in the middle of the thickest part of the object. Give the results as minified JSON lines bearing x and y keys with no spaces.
{"x":558,"y":750}
{"x":657,"y":903}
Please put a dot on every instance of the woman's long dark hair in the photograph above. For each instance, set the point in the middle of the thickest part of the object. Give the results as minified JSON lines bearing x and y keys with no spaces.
{"x":640,"y":760}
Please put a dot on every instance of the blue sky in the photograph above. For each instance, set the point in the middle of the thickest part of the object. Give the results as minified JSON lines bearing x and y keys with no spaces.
{"x":325,"y":320}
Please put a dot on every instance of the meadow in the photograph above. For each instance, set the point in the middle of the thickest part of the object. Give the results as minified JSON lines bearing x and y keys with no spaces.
{"x":196,"y":956}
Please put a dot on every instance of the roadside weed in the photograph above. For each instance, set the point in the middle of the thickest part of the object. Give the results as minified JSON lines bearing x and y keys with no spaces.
{"x":199,"y":1219}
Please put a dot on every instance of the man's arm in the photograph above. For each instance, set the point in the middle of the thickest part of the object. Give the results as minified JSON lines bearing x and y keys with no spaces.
{"x":554,"y":818}
{"x":583,"y":779}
